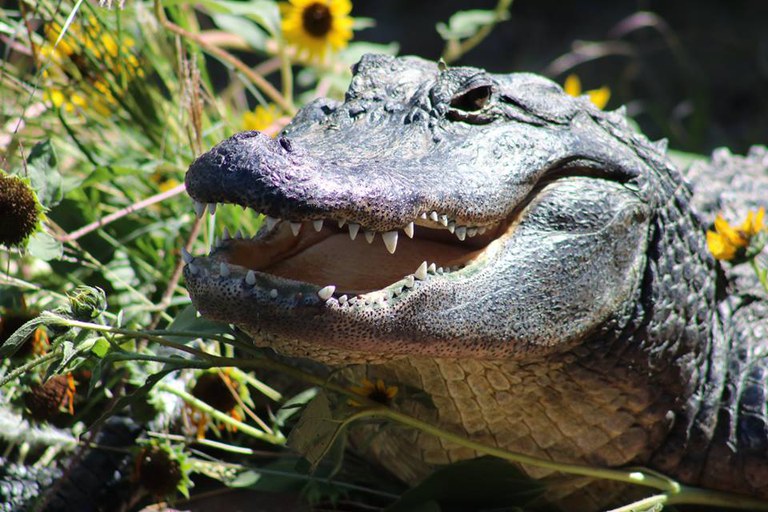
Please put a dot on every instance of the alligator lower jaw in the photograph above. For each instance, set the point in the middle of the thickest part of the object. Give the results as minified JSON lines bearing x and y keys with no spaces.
{"x":344,"y":261}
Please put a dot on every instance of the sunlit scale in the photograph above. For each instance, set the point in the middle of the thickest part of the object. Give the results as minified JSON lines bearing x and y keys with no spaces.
{"x":308,"y":257}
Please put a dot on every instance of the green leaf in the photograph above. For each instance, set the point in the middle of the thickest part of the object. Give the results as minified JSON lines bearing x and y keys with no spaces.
{"x":43,"y":172}
{"x":17,"y":339}
{"x":355,"y":51}
{"x":140,"y":394}
{"x":277,"y":476}
{"x":482,"y":483}
{"x":43,"y":246}
{"x":188,"y":320}
{"x":294,"y":405}
{"x":464,"y":24}
{"x":67,"y":354}
{"x":315,"y":431}
{"x":263,"y":12}
{"x":247,"y":29}
{"x":100,"y":347}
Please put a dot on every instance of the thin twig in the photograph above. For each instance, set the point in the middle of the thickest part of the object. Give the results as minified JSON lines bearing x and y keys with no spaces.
{"x":454,"y":50}
{"x":71,"y":237}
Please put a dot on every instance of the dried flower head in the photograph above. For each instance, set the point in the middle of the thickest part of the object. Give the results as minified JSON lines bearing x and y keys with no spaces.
{"x":20,"y":210}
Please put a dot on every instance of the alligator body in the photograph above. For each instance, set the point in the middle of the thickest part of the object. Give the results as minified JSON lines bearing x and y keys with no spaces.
{"x":531,"y":262}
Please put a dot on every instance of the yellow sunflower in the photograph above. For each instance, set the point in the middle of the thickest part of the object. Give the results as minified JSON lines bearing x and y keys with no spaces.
{"x":378,"y":392}
{"x":261,"y":118}
{"x":315,"y":26}
{"x":599,"y":97}
{"x":726,"y":240}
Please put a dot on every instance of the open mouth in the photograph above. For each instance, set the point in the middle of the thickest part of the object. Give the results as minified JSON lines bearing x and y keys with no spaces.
{"x":345,"y":260}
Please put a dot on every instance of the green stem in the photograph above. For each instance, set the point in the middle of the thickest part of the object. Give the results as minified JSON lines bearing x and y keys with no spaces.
{"x":28,"y":366}
{"x":273,"y":438}
{"x":649,"y":503}
{"x":455,"y":50}
{"x":286,"y":73}
{"x":631,"y":477}
{"x":762,"y":275}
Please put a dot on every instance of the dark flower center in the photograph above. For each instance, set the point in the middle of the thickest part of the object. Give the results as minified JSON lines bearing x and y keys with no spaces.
{"x":317,"y":19}
{"x":380,"y":396}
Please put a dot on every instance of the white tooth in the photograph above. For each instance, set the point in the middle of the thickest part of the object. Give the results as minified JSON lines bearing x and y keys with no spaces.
{"x":223,"y":269}
{"x":432,"y":268}
{"x":211,"y":208}
{"x":295,"y":227}
{"x":317,"y":224}
{"x":353,"y":229}
{"x":471,"y":232}
{"x":440,"y":270}
{"x":250,"y":277}
{"x":433,"y":216}
{"x":215,"y":242}
{"x":327,"y":292}
{"x":421,"y":272}
{"x":444,"y":220}
{"x":461,"y":232}
{"x":408,"y":229}
{"x":271,"y":222}
{"x":481,"y":230}
{"x":192,"y":268}
{"x":423,"y":215}
{"x":186,"y":256}
{"x":341,"y":223}
{"x":273,"y":293}
{"x":343,"y":299}
{"x":369,"y":236}
{"x":409,"y":280}
{"x":199,"y":209}
{"x":198,"y":314}
{"x":451,"y":226}
{"x":225,"y":234}
{"x":390,"y":240}
{"x":239,"y":234}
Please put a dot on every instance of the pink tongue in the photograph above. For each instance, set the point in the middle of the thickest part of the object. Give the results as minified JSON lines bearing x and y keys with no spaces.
{"x":355,"y":266}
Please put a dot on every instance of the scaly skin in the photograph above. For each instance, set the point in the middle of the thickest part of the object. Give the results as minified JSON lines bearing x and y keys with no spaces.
{"x":588,"y":323}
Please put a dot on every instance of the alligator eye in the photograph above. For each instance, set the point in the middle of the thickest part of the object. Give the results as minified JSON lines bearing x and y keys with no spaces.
{"x":472,"y":100}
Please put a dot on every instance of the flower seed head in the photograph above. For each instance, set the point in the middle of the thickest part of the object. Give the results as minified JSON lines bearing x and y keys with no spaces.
{"x":20,"y":210}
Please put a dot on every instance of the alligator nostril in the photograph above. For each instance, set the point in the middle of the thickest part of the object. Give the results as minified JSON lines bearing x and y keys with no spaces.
{"x":246,"y":135}
{"x":285,"y":143}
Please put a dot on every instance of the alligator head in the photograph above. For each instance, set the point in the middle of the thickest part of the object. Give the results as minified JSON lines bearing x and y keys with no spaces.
{"x":437,"y":212}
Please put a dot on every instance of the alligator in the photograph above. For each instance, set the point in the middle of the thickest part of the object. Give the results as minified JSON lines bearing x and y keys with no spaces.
{"x":543,"y":274}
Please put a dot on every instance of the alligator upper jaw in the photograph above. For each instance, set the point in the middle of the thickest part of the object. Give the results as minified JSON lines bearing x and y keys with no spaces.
{"x":344,"y":258}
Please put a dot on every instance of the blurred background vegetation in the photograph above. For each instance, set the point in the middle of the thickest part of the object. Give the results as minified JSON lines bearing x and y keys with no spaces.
{"x":102,"y":108}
